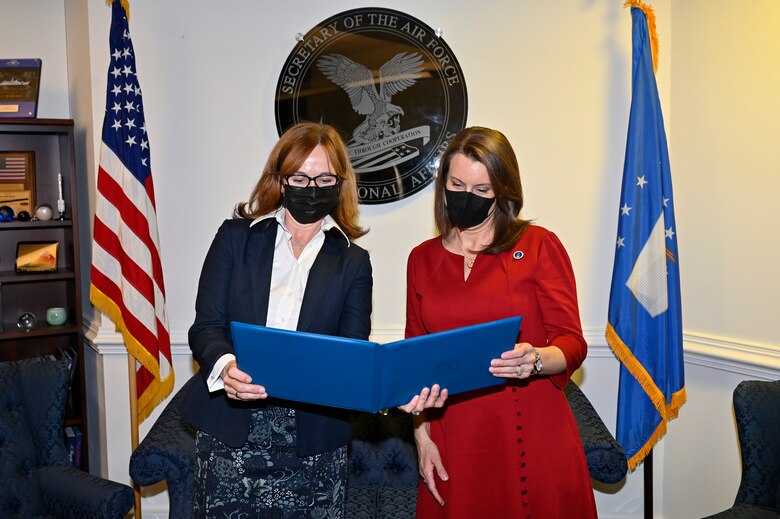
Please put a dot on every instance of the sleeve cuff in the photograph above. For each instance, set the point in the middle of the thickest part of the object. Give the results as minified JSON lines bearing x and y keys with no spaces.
{"x":214,"y":382}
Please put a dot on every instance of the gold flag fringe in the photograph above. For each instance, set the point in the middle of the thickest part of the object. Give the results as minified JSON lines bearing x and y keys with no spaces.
{"x":650,"y":16}
{"x":159,"y":388}
{"x":125,"y":5}
{"x":667,"y":411}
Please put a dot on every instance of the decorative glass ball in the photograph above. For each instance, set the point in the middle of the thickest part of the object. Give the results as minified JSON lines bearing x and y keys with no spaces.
{"x":26,"y":321}
{"x":44,"y":212}
{"x":23,"y":216}
{"x":6,"y":213}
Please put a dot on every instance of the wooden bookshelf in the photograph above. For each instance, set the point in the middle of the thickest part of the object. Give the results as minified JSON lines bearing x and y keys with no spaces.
{"x":52,"y":142}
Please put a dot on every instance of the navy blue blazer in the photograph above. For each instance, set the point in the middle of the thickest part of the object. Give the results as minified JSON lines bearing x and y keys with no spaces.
{"x":235,"y":286}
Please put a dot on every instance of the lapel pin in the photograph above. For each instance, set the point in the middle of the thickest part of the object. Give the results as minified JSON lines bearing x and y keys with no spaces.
{"x":518,"y":254}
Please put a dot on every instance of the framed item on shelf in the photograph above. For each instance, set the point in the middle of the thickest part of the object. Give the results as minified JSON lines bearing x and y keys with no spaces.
{"x":20,"y":81}
{"x":17,"y":180}
{"x":17,"y":200}
{"x":36,"y":256}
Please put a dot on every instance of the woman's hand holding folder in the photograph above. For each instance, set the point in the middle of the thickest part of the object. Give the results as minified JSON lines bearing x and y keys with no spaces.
{"x":428,"y":397}
{"x":238,"y":385}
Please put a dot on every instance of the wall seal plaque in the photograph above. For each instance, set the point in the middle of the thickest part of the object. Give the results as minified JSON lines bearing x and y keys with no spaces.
{"x":392,"y":87}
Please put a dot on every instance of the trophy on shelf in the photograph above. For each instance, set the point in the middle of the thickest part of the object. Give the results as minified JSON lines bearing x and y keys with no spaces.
{"x":60,"y":200}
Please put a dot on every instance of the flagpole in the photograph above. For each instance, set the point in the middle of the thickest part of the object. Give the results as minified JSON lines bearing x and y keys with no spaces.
{"x":125,"y":230}
{"x":133,"y":426}
{"x":648,"y":480}
{"x":644,"y":325}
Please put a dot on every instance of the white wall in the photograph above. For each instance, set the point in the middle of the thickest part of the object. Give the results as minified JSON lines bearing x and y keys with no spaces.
{"x":540,"y":73}
{"x":36,"y":29}
{"x":555,"y":77}
{"x":725,"y":76}
{"x":726,"y":125}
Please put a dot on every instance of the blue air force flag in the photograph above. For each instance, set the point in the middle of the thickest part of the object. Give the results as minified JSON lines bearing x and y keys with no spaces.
{"x":645,"y":324}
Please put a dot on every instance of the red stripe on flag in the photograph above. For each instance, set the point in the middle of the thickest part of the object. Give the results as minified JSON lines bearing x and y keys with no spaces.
{"x":130,"y":270}
{"x":149,"y":187}
{"x":133,"y":218}
{"x":143,"y":379}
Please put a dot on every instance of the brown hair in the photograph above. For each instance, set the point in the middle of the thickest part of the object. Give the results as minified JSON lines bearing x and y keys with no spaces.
{"x":286,"y":158}
{"x":491,"y":149}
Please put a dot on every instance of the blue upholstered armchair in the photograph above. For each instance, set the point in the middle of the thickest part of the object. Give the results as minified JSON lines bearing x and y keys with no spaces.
{"x":167,"y":453}
{"x":607,"y":461}
{"x":36,"y":478}
{"x":382,"y":471}
{"x":757,"y":410}
{"x":382,"y":458}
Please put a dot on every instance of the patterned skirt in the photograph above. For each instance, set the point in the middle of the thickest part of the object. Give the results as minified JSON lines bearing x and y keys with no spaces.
{"x":265,"y":478}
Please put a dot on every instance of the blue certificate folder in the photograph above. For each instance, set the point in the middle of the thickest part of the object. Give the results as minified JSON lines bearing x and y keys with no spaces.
{"x":369,"y":376}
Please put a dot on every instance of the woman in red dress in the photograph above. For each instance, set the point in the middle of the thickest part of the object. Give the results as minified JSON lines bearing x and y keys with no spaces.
{"x":512,"y":450}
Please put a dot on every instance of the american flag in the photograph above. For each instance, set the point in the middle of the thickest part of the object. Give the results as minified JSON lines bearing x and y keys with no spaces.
{"x":127,"y":278}
{"x":12,"y":167}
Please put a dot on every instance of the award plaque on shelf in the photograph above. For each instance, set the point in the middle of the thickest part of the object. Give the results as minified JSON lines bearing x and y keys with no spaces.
{"x":20,"y":81}
{"x":17,"y":180}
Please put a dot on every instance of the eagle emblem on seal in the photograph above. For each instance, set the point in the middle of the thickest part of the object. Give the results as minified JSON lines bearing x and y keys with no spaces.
{"x":383,"y":118}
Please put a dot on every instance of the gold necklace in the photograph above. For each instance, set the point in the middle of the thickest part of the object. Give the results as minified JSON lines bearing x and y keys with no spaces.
{"x":469,"y":261}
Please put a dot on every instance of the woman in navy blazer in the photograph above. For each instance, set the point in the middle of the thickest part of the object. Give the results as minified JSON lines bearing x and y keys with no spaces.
{"x":285,"y":260}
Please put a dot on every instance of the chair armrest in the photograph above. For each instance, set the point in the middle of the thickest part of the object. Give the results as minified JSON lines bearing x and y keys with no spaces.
{"x":382,"y":468}
{"x":70,"y":492}
{"x":168,"y":453}
{"x":168,"y":450}
{"x":606,"y":458}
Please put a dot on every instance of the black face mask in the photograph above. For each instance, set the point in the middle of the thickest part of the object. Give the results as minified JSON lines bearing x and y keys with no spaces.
{"x":309,"y":204}
{"x":466,"y":209}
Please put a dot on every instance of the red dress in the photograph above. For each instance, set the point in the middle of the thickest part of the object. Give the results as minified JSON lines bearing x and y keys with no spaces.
{"x":512,"y":451}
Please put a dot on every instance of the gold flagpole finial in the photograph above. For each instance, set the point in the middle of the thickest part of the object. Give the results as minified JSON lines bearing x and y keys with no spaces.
{"x":650,"y":16}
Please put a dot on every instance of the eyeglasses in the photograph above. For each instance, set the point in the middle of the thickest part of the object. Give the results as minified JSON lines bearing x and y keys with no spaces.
{"x":299,"y":180}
